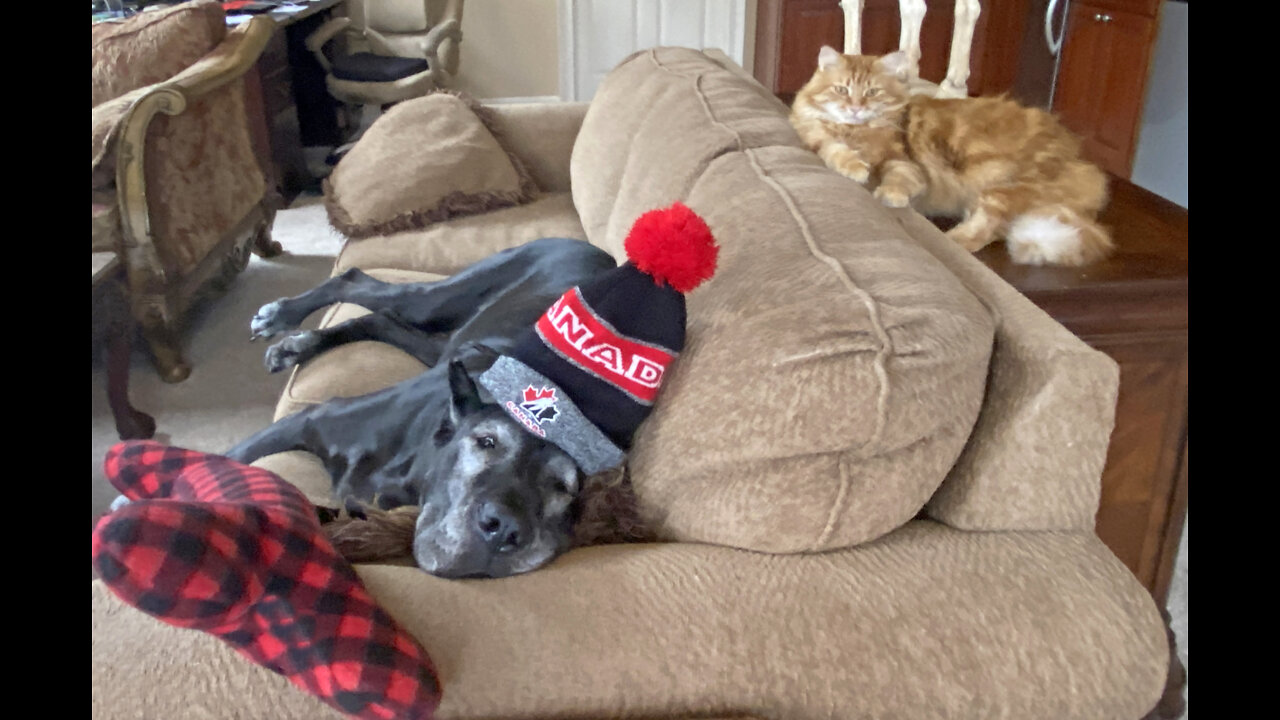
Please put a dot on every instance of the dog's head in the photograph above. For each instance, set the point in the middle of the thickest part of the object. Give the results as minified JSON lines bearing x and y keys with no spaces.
{"x":497,"y":500}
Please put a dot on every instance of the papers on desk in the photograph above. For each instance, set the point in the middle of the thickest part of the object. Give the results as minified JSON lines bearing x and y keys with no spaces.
{"x":280,"y":11}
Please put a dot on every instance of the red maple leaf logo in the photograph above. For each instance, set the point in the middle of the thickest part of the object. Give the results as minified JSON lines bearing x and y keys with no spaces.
{"x":543,"y":394}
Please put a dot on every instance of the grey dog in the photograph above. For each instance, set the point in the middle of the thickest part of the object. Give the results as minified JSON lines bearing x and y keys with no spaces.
{"x":496,"y":501}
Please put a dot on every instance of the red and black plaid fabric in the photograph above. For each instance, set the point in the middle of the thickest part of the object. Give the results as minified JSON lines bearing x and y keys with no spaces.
{"x":234,"y":550}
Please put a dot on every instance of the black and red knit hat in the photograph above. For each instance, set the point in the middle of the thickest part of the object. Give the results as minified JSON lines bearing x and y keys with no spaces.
{"x":586,"y":375}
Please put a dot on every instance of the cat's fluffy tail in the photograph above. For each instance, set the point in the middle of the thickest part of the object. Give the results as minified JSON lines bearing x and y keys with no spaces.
{"x":1060,"y":236}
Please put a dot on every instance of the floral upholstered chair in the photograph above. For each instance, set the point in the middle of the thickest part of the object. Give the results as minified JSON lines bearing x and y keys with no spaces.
{"x":179,"y":194}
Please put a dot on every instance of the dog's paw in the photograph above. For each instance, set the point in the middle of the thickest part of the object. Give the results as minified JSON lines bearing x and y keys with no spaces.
{"x":291,"y":351}
{"x":268,"y":321}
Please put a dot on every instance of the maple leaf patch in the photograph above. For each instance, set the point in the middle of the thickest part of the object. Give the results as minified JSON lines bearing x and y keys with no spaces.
{"x":540,"y":404}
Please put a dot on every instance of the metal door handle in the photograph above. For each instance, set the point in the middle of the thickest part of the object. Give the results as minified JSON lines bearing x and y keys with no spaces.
{"x":1054,"y":43}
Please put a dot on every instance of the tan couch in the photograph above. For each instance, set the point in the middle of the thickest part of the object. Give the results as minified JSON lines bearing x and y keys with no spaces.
{"x":872,"y":473}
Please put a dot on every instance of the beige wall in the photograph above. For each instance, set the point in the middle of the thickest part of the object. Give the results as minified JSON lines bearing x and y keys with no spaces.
{"x":510,"y":48}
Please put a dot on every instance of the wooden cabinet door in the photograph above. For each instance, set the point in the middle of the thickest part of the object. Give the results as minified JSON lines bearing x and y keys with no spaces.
{"x":807,"y":25}
{"x":1101,"y":82}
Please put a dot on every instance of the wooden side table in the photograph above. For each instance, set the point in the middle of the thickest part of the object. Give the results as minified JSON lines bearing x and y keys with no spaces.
{"x":113,"y":325}
{"x":1133,"y":307}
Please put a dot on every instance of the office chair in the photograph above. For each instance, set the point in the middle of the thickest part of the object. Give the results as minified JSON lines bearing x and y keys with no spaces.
{"x":395,"y":50}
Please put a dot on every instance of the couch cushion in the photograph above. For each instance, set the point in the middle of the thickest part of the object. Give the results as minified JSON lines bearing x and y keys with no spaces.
{"x":656,"y":122}
{"x":355,"y":368}
{"x":833,"y":369}
{"x":927,"y":623}
{"x":832,"y":373}
{"x":450,"y":246}
{"x":424,"y":161}
{"x":153,"y":46}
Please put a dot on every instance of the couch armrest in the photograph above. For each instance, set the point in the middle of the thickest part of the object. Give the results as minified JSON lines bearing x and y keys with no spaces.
{"x":1034,"y":459}
{"x":228,"y":62}
{"x":542,"y":135}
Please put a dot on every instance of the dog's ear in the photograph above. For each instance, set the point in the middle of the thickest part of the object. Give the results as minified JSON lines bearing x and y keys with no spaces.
{"x":465,"y":398}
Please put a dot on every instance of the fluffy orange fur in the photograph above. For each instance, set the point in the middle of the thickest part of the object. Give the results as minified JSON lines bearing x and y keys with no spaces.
{"x":1011,"y":172}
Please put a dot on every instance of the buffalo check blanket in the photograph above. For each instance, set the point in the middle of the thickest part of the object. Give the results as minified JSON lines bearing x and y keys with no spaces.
{"x":236,"y":551}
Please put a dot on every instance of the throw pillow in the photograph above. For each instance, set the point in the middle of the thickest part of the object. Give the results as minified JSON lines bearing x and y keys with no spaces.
{"x":424,"y":161}
{"x":235,"y":551}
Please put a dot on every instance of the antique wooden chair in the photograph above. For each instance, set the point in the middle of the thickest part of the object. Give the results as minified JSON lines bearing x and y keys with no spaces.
{"x":179,"y":195}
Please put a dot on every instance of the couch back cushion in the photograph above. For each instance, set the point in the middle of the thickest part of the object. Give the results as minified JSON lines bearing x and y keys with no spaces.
{"x":656,"y":123}
{"x":833,"y":368}
{"x":153,"y":46}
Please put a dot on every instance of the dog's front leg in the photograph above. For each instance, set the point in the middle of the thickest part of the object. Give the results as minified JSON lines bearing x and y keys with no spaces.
{"x":287,"y":433}
{"x":287,"y":313}
{"x":383,"y":326}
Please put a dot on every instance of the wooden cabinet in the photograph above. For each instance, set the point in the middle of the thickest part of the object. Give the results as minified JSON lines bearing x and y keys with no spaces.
{"x":1102,"y":78}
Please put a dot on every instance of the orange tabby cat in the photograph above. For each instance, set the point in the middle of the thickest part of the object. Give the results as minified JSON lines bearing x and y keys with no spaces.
{"x":1011,"y":172}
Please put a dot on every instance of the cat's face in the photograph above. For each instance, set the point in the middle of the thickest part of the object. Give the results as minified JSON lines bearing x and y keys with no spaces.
{"x":855,"y":89}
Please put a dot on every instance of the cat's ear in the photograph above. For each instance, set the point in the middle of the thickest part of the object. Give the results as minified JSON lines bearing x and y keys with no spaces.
{"x":895,"y":63}
{"x":828,"y":57}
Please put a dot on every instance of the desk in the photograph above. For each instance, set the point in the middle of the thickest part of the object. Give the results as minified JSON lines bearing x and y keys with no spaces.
{"x":286,"y":93}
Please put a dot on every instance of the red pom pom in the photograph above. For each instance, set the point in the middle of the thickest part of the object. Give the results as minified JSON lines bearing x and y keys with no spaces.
{"x":673,"y":245}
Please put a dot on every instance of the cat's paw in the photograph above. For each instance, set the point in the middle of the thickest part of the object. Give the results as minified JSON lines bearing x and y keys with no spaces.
{"x":894,"y":197}
{"x":967,"y":239}
{"x":854,"y":169}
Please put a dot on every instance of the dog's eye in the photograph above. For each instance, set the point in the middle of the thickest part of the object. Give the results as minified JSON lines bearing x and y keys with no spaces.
{"x":486,"y":441}
{"x":560,"y":486}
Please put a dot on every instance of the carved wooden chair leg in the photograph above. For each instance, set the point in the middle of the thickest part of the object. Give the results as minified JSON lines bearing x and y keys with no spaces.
{"x":165,"y":353}
{"x":852,"y":26}
{"x":966,"y":20}
{"x":131,"y":423}
{"x":113,"y":309}
{"x":911,"y":14}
